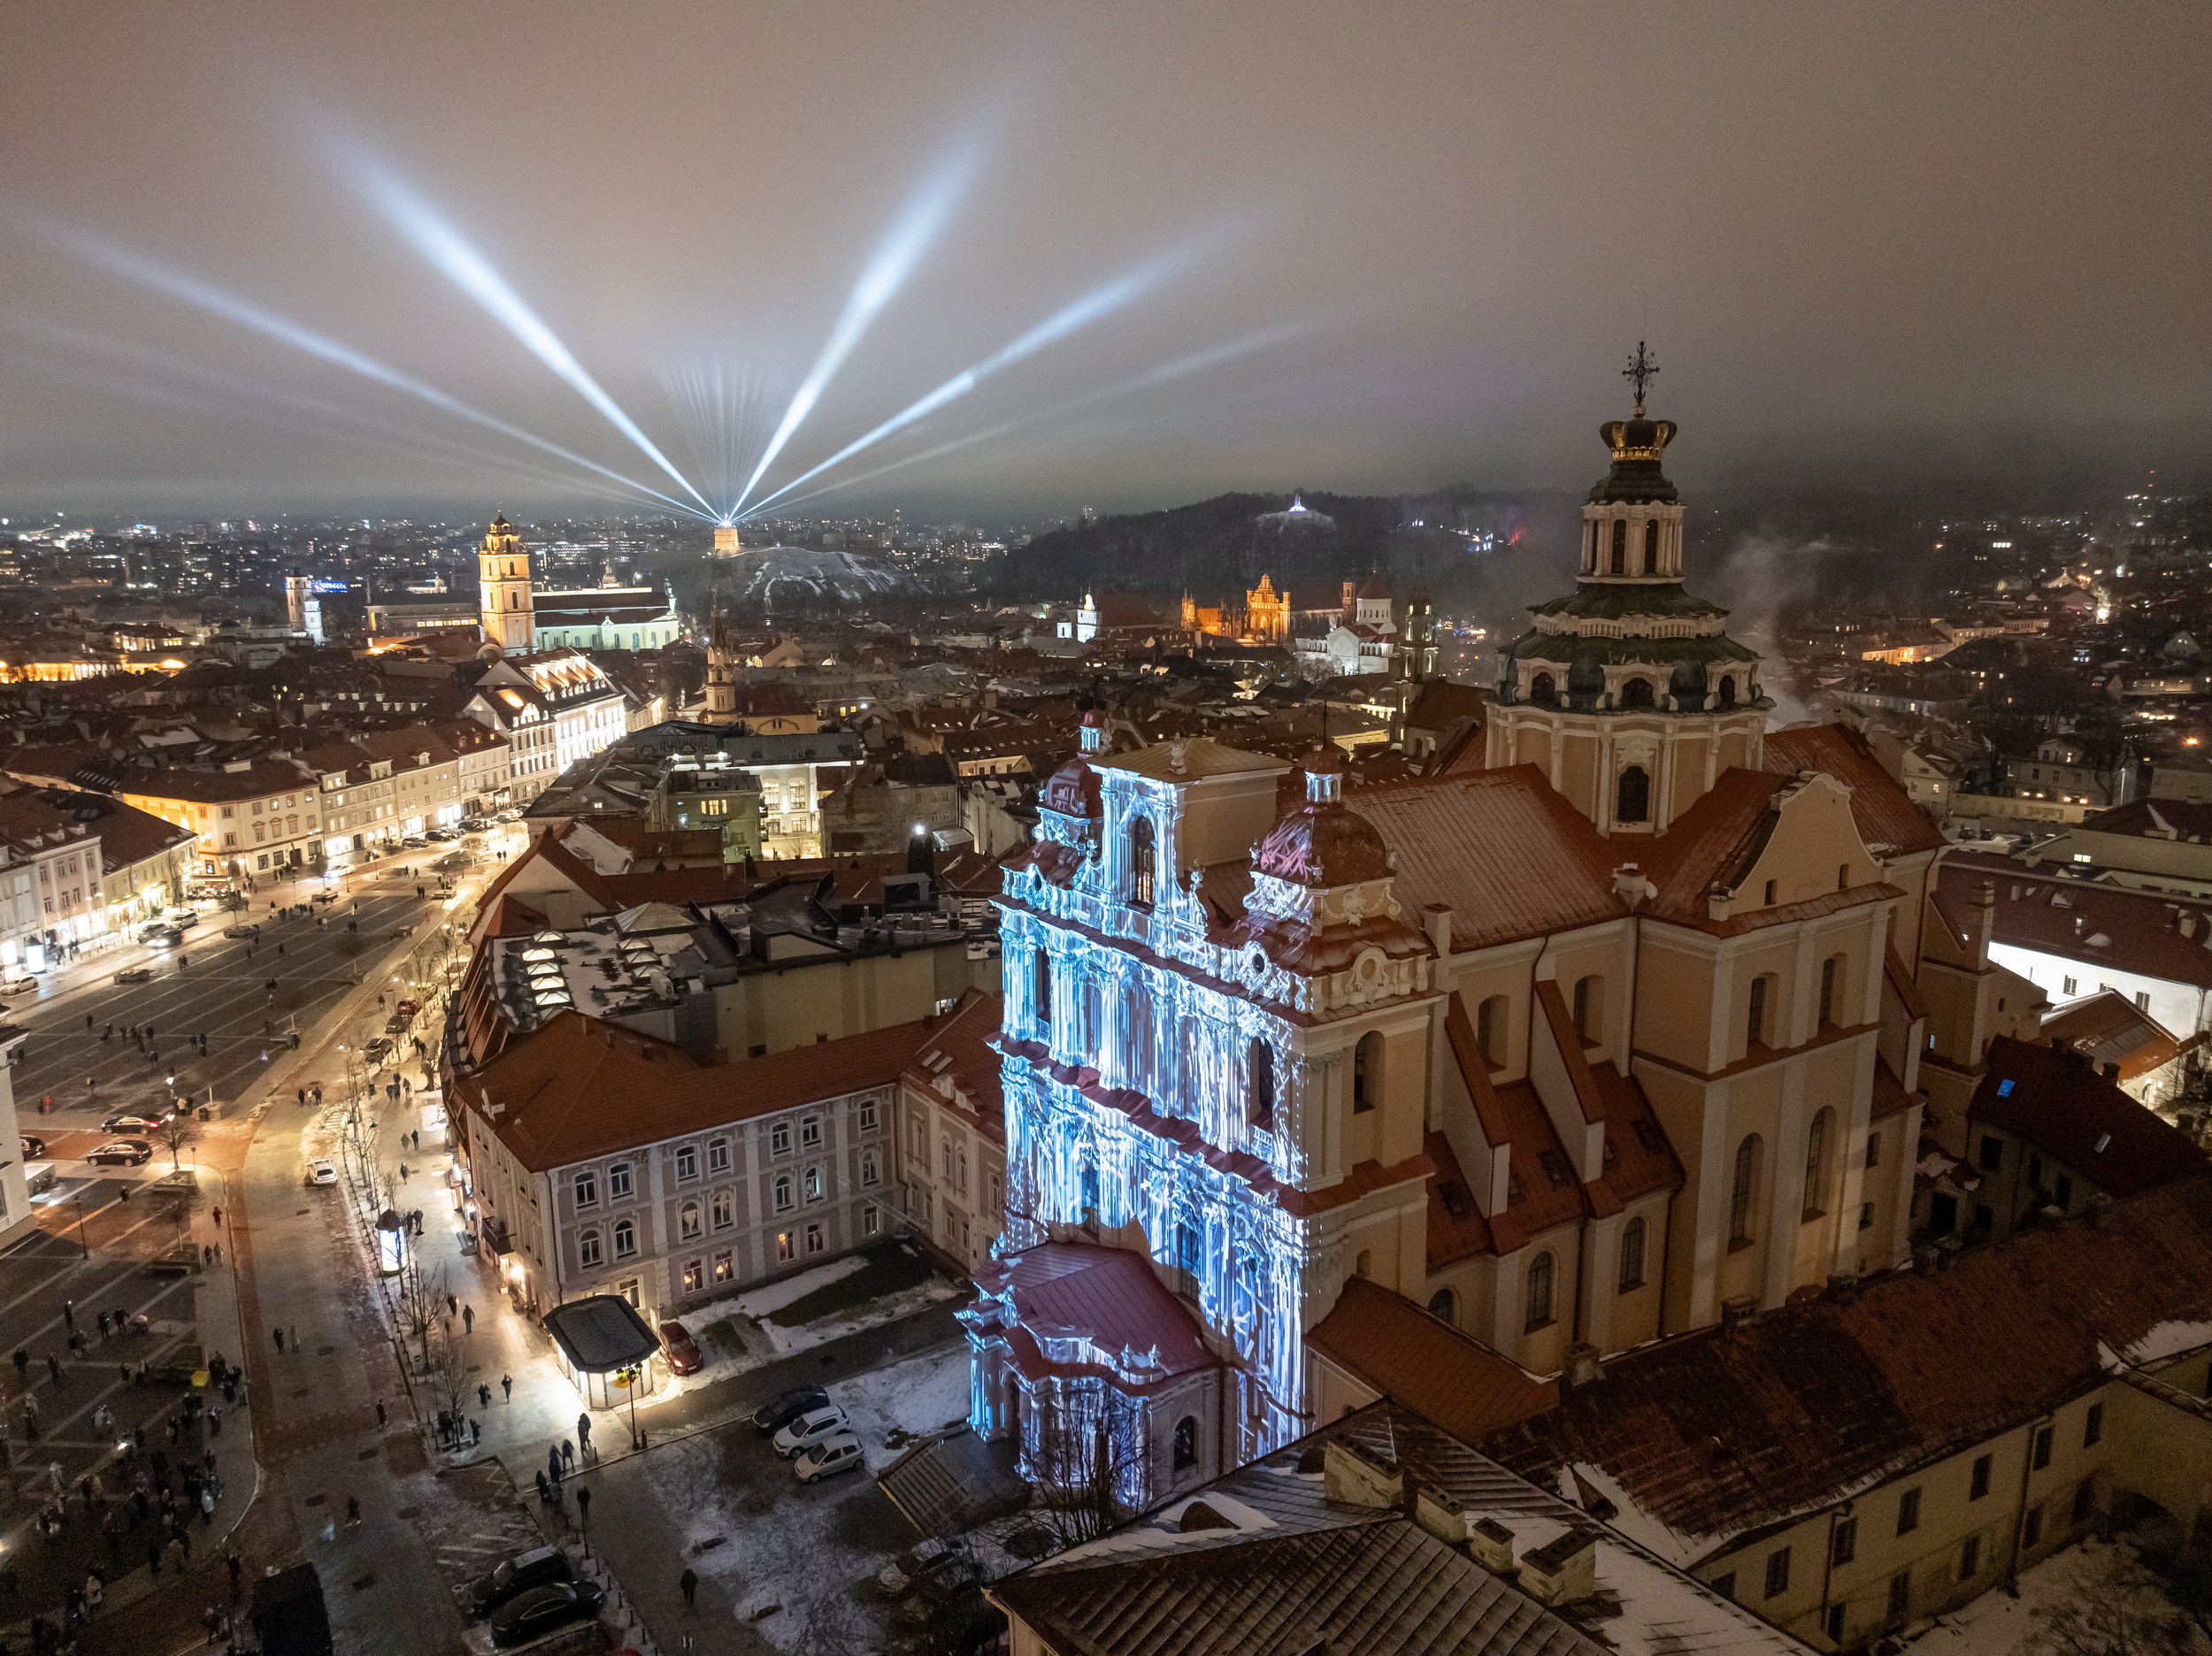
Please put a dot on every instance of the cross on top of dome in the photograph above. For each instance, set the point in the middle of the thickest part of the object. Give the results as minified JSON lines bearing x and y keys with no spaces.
{"x":1642,"y":368}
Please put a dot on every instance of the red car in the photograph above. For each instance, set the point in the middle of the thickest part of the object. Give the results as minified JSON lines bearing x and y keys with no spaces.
{"x":683,"y":1351}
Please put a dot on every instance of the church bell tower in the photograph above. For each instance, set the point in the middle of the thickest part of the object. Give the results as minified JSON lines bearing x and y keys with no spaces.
{"x":1628,"y":692}
{"x":502,"y":578}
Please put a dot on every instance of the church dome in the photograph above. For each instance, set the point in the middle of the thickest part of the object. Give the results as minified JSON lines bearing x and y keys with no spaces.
{"x":1323,"y":842}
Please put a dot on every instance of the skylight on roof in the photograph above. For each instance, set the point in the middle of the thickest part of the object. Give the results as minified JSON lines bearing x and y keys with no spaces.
{"x":2004,"y":1089}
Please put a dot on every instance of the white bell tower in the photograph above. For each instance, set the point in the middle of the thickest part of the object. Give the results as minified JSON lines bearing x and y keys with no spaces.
{"x":502,"y":574}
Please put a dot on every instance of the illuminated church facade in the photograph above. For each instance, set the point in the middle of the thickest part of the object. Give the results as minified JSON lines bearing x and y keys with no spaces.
{"x":1611,"y":1038}
{"x":522,"y":619}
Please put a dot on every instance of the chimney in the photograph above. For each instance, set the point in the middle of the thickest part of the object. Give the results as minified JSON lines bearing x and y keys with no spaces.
{"x":1562,"y":1571}
{"x":1437,"y":921}
{"x":1353,"y":1474}
{"x":1741,"y":1309}
{"x":1583,"y":1366}
{"x":1491,"y":1544}
{"x":1843,"y":1286}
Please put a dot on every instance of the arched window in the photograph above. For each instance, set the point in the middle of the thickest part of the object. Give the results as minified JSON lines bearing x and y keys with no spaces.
{"x":1633,"y":801}
{"x":1739,"y":1192}
{"x":1141,"y":862}
{"x":783,"y":1193}
{"x":871,"y":1171}
{"x":1831,"y":986}
{"x":1620,"y":545}
{"x":1088,"y":1185}
{"x":1632,"y":1254}
{"x":725,"y":1210}
{"x":1590,"y":549}
{"x":1728,"y":690}
{"x":1444,"y":1304}
{"x":1755,"y":1032}
{"x":588,"y":1247}
{"x":688,"y":1220}
{"x":1187,"y":1251}
{"x":1543,"y":690}
{"x":812,"y":1184}
{"x":1363,"y":1263}
{"x":1041,"y":993}
{"x":1186,"y":1452}
{"x":1636,"y":694}
{"x":1367,"y":1060}
{"x":1651,"y":546}
{"x":1538,"y":1301}
{"x":1490,"y":1028}
{"x":1589,"y":1009}
{"x":1259,"y":1066}
{"x":624,"y":1238}
{"x":1249,"y":1304}
{"x":1816,"y":1161}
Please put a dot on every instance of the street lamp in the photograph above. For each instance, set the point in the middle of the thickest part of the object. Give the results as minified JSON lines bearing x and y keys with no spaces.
{"x":81,"y":1243}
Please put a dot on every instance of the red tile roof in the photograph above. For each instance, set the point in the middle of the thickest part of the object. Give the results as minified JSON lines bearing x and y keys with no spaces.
{"x":1396,"y":1349}
{"x":2099,"y":925}
{"x":1109,"y":1296}
{"x":1884,"y":812}
{"x":2107,"y":1027}
{"x":963,"y":1047}
{"x":2058,"y":1102}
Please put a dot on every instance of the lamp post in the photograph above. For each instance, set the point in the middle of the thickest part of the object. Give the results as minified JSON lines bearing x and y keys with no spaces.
{"x":85,"y":1245}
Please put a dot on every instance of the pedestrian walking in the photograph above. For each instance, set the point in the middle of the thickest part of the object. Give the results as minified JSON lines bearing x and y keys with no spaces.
{"x":553,"y":1462}
{"x":22,"y":1362}
{"x":688,"y":1583}
{"x":216,"y":1213}
{"x":476,"y":1432}
{"x":483,"y":1396}
{"x":468,"y":1319}
{"x":568,"y":1457}
{"x":545,"y":1491}
{"x":236,"y":1565}
{"x":353,"y":1509}
{"x":279,"y":1339}
{"x":507,"y":1385}
{"x":53,"y":1367}
{"x":379,"y":1411}
{"x":583,"y":1431}
{"x":103,"y":1325}
{"x":583,"y":1503}
{"x":69,"y":1315}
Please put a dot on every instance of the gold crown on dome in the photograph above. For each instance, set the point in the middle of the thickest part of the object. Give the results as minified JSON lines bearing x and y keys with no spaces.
{"x":1638,"y":439}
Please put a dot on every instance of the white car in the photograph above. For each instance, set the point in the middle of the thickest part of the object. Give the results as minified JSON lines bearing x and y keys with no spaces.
{"x":837,"y":1452}
{"x":813,"y":1427}
{"x":322,"y":1173}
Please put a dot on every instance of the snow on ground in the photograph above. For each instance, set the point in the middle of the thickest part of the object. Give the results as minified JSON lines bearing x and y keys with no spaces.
{"x":918,"y":1395}
{"x":1996,"y":1624}
{"x":889,"y":1308}
{"x":776,"y":1295}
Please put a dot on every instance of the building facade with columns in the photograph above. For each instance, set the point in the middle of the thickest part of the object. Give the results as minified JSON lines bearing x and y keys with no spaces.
{"x":1575,"y":1058}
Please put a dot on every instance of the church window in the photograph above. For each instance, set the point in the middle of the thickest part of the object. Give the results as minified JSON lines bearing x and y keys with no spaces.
{"x":1364,"y":1263}
{"x":1540,"y":1284}
{"x":1367,"y":1060}
{"x":1141,"y":862}
{"x":1651,"y":546}
{"x":1444,"y":1306}
{"x":1633,"y":1235}
{"x":1620,"y":545}
{"x":1043,"y":990}
{"x":1186,"y":1452}
{"x":1490,"y":1029}
{"x":1590,"y":550}
{"x":1260,"y":1084}
{"x":1589,"y":1009}
{"x":1543,"y":690}
{"x":1186,"y":1252}
{"x":1633,"y":803}
{"x":1090,"y":1196}
{"x":1756,"y":1021}
{"x":1739,"y":1194}
{"x":1816,"y":1163}
{"x":1831,"y":982}
{"x":1636,"y":694}
{"x":1728,"y":690}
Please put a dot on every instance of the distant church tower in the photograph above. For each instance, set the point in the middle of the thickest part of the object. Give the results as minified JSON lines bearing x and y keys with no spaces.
{"x":295,"y":601}
{"x":1629,"y":695}
{"x":502,"y":578}
{"x":725,"y":541}
{"x":721,"y":691}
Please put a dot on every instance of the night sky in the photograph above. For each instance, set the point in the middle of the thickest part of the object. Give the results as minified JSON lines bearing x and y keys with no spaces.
{"x":1355,"y":247}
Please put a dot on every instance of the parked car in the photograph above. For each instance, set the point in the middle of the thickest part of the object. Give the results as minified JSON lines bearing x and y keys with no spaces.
{"x":924,"y":1558}
{"x":539,"y":1567}
{"x":34,"y":1148}
{"x":161,"y":936}
{"x":683,"y":1351}
{"x":375,"y":1051}
{"x":442,"y":834}
{"x":241,"y":932}
{"x":321,"y":1173}
{"x":135,"y":975}
{"x":774,"y":1415}
{"x":23,"y":983}
{"x":542,"y":1609}
{"x":406,"y":1007}
{"x":323,"y":897}
{"x":415,"y":842}
{"x":133,"y":1124}
{"x":837,"y":1452}
{"x":182,"y":917}
{"x":122,"y":1152}
{"x":815,"y":1426}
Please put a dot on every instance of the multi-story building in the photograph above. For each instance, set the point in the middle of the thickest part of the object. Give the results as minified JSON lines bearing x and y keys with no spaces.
{"x":50,"y":875}
{"x":1582,"y":1049}
{"x":553,"y":708}
{"x":951,"y":1156}
{"x":255,"y":818}
{"x":382,"y":786}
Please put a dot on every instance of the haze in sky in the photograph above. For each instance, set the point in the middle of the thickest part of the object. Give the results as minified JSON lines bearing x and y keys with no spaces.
{"x":988,"y":258}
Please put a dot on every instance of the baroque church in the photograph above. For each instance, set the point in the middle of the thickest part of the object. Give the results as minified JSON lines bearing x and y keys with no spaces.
{"x":521,"y":619}
{"x":1619,"y":1035}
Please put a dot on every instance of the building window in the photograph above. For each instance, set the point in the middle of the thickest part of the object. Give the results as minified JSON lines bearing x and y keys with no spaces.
{"x":2084,"y":1500}
{"x":2041,"y":1456}
{"x":1538,"y":1301}
{"x":1543,"y":690}
{"x":1874,"y":1149}
{"x":867,"y":1117}
{"x":1260,"y":1084}
{"x":811,"y":1132}
{"x":1992,"y":1153}
{"x":1724,"y":1586}
{"x":1900,"y":1596}
{"x":779,"y":1138}
{"x":695,"y":1275}
{"x":1978,"y":1479}
{"x":586,"y":1188}
{"x":688,"y":1222}
{"x":1830,"y":980}
{"x":1756,"y":1021}
{"x":868,"y":1219}
{"x":2031,"y":1527}
{"x":1816,"y":1163}
{"x":869,"y":1170}
{"x":587,"y":1248}
{"x":812,"y":1184}
{"x":717,"y":1156}
{"x":785,"y":1250}
{"x":783,"y":1193}
{"x":1443,"y":1305}
{"x":1632,"y":1254}
{"x":687,"y":1162}
{"x":814,"y":1239}
{"x":1088,"y":1195}
{"x":1620,"y":545}
{"x":1367,"y":1071}
{"x":1142,"y":856}
{"x":1490,"y":1029}
{"x":2070,"y":986}
{"x":1589,"y":1009}
{"x":1186,"y":1452}
{"x":725,"y":1210}
{"x":1908,"y":1511}
{"x":1186,"y":1252}
{"x":2093,"y":1426}
{"x":1740,"y":1191}
{"x":1844,"y":1546}
{"x":1632,"y":801}
{"x":619,"y":1180}
{"x":2142,"y":1000}
{"x":1651,"y":546}
{"x":624,"y":1238}
{"x":1636,"y":693}
{"x":1777,"y":1572}
{"x":1040,"y":993}
{"x":1971,"y":1559}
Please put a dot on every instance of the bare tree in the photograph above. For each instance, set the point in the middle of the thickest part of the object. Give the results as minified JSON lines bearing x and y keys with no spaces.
{"x":445,"y":1371}
{"x":1090,"y":1463}
{"x":178,"y":1132}
{"x":2121,"y":1609}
